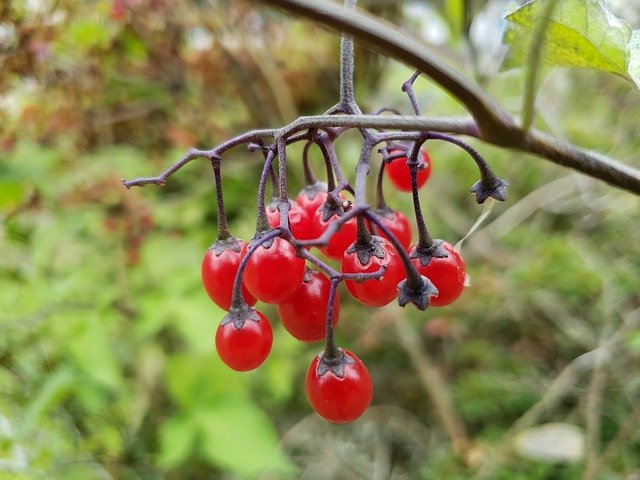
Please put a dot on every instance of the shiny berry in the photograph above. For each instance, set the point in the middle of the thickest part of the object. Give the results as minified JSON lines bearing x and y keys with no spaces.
{"x":273,"y":273}
{"x":340,"y":392}
{"x":399,"y":225}
{"x":447,"y":274}
{"x":299,"y":221}
{"x":304,"y":313}
{"x":399,"y":173}
{"x":374,"y":293}
{"x":245,"y":343}
{"x":219,"y":268}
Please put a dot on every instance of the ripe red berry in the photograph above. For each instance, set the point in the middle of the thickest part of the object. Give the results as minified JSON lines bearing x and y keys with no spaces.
{"x":447,"y":274}
{"x":299,"y":221}
{"x":340,"y":240}
{"x":399,"y":225}
{"x":274,"y":273}
{"x":312,"y":197}
{"x":399,"y":174}
{"x":244,"y":348}
{"x":374,"y":293}
{"x":339,"y":393}
{"x":219,"y":272}
{"x":304,"y":314}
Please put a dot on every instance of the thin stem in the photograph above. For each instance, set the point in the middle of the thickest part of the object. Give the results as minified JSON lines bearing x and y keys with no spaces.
{"x":262,"y":224}
{"x":363,"y":236}
{"x":237,"y":298}
{"x":381,"y":204}
{"x":414,"y":279}
{"x":425,"y":240}
{"x":223,"y":225}
{"x":407,"y":87}
{"x":486,"y":174}
{"x":284,"y":205}
{"x":275,"y":188}
{"x":362,"y":170}
{"x":331,"y":351}
{"x":309,"y":177}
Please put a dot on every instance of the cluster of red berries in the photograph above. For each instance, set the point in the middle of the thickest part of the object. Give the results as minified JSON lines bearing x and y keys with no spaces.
{"x":270,"y":269}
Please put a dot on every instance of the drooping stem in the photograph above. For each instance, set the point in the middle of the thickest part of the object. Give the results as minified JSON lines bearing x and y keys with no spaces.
{"x":363,"y":236}
{"x":414,"y":279}
{"x":425,"y":241}
{"x":237,"y":298}
{"x":262,"y":224}
{"x":309,"y":177}
{"x":284,"y":205}
{"x":223,"y":226}
{"x":331,"y":352}
{"x":487,"y":177}
{"x":275,"y":188}
{"x":381,"y":204}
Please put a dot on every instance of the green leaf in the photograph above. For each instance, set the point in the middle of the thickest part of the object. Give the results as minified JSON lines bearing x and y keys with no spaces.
{"x":634,"y":57}
{"x":240,"y":437}
{"x":582,"y":33}
{"x":93,"y":353}
{"x":55,"y":388}
{"x":177,"y":437}
{"x":453,"y":11}
{"x":11,"y":193}
{"x":194,"y":380}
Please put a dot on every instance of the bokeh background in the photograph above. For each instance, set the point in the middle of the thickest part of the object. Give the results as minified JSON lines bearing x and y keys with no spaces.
{"x":107,"y":364}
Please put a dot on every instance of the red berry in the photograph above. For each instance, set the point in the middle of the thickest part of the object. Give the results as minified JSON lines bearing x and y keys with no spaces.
{"x":374,"y":293}
{"x":312,"y":197}
{"x":299,"y":222}
{"x":340,"y":240}
{"x":273,"y":274}
{"x":447,"y":274}
{"x":400,"y":176}
{"x":244,"y":348}
{"x":219,"y":272}
{"x":339,"y":398}
{"x":304,"y":313}
{"x":399,"y":225}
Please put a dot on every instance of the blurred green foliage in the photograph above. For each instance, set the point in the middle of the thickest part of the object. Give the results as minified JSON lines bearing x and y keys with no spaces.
{"x":106,"y":336}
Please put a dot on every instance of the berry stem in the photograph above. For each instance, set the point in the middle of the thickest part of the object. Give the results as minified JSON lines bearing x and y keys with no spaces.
{"x":284,"y":205}
{"x":223,"y":225}
{"x":262,"y":224}
{"x":237,"y":298}
{"x":363,"y":237}
{"x":487,"y":177}
{"x":414,"y":279}
{"x":381,"y":204}
{"x":275,"y":188}
{"x":309,"y":177}
{"x":325,"y":143}
{"x":332,"y":354}
{"x":425,"y":240}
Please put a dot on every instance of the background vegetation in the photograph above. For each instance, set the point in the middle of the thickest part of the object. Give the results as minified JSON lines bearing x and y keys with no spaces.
{"x":107,"y":365}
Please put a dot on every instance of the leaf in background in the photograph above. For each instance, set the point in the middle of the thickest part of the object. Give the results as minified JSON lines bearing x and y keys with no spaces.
{"x":11,"y":193}
{"x":582,"y":33}
{"x":55,"y":388}
{"x":240,"y":437}
{"x":454,"y":15}
{"x":553,"y":442}
{"x":634,"y":58}
{"x":177,"y":436}
{"x":93,"y":353}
